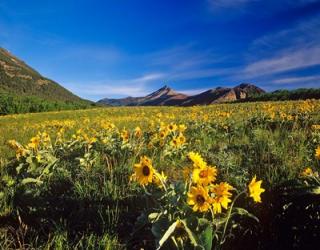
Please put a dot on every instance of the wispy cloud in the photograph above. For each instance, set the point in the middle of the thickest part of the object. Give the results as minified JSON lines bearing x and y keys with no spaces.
{"x":298,"y":80}
{"x":115,"y":88}
{"x":91,"y":52}
{"x":186,"y":62}
{"x":192,"y":91}
{"x":182,"y":57}
{"x":148,"y":77}
{"x":229,"y":3}
{"x":241,"y":3}
{"x":290,"y":49}
{"x":201,"y":73}
{"x":301,"y":34}
{"x":284,"y":61}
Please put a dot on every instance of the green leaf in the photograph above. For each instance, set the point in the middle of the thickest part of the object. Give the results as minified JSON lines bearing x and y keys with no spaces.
{"x":316,"y":190}
{"x":153,"y":217}
{"x":159,"y":227}
{"x":18,"y":169}
{"x":206,"y":237}
{"x":31,"y":180}
{"x":243,"y":212}
{"x":192,"y":237}
{"x":219,"y":221}
{"x":168,"y":233}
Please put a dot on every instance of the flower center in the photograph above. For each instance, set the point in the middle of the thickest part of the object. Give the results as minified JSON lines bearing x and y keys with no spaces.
{"x":146,"y":171}
{"x":200,"y":199}
{"x":203,"y":174}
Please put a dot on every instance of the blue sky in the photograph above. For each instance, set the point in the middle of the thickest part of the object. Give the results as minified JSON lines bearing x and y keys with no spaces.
{"x":116,"y":48}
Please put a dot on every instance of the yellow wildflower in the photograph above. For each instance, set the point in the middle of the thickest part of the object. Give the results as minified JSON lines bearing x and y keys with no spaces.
{"x":143,"y":171}
{"x":20,"y":152}
{"x":162,"y":134}
{"x":317,"y":154}
{"x":34,"y":142}
{"x":137,"y":132}
{"x":181,"y":139}
{"x":172,"y":127}
{"x":221,"y":197}
{"x":39,"y":158}
{"x":159,"y":179}
{"x":307,"y":172}
{"x":197,"y":160}
{"x":182,"y":128}
{"x":175,"y":142}
{"x":198,"y":197}
{"x":204,"y":176}
{"x":124,"y":135}
{"x":255,"y":189}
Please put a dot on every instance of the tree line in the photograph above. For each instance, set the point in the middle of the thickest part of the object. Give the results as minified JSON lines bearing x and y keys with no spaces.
{"x":13,"y":104}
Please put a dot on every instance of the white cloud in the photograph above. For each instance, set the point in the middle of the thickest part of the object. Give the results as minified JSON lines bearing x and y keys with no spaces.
{"x":301,"y":34}
{"x":284,"y":61}
{"x":119,"y":87}
{"x":293,"y":48}
{"x":201,"y":73}
{"x":185,"y":62}
{"x":111,"y":90}
{"x":182,"y":57}
{"x":298,"y":80}
{"x":192,"y":91}
{"x":148,"y":77}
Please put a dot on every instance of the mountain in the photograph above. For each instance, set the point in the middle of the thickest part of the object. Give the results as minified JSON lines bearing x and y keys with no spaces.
{"x":221,"y":95}
{"x":161,"y":97}
{"x":19,"y":79}
{"x":168,"y":97}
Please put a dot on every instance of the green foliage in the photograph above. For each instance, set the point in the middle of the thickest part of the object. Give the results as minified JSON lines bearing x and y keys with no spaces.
{"x":74,"y":191}
{"x":14,"y":104}
{"x":285,"y":95}
{"x":19,"y":79}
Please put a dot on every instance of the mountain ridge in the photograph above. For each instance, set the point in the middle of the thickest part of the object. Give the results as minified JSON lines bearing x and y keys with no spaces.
{"x":18,"y":78}
{"x":166,"y":96}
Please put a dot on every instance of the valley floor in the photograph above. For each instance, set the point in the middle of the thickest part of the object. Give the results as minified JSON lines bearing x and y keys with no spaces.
{"x":71,"y":179}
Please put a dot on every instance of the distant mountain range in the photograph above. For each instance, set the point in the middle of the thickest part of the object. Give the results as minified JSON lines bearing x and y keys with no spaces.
{"x":165,"y":96}
{"x":23,"y":89}
{"x":19,"y":79}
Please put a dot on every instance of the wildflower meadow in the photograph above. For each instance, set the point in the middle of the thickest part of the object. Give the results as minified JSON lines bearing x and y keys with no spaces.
{"x":225,"y":176}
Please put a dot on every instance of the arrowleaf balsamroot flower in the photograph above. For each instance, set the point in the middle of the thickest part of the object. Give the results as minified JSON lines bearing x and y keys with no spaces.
{"x":221,"y":197}
{"x":159,"y":179}
{"x":307,"y":172}
{"x":172,"y":127}
{"x":204,"y":176}
{"x":317,"y":154}
{"x":137,"y":132}
{"x":34,"y":142}
{"x":143,"y":171}
{"x":255,"y":189}
{"x":197,"y":160}
{"x":198,"y":197}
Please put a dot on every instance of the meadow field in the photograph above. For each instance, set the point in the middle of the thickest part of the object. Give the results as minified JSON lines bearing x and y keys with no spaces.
{"x":225,"y":176}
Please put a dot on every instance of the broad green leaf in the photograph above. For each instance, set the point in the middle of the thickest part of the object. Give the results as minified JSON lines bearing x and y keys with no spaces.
{"x":206,"y":237}
{"x":168,"y":233}
{"x":192,"y":237}
{"x":31,"y":180}
{"x":243,"y":212}
{"x":154,"y":216}
{"x":159,"y":227}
